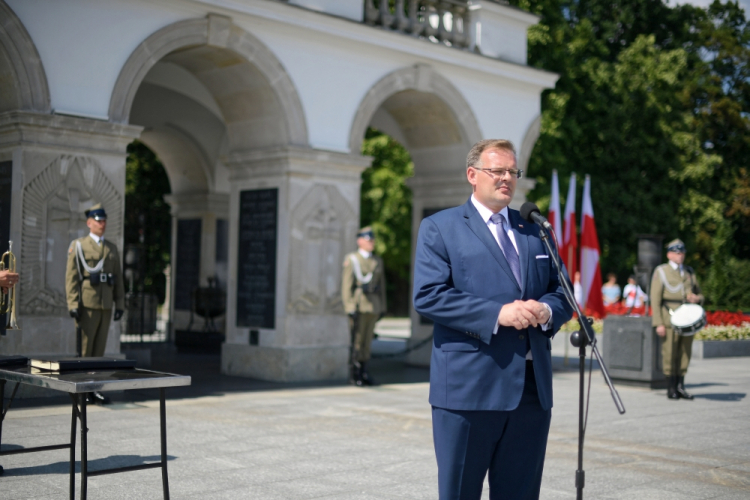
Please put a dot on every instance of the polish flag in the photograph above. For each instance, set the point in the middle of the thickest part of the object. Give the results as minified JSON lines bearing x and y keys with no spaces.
{"x":569,"y":248}
{"x":591,"y":275}
{"x":554,"y":216}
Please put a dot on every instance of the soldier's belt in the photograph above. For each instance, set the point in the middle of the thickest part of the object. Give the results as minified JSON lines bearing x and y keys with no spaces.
{"x":97,"y":278}
{"x":671,"y":304}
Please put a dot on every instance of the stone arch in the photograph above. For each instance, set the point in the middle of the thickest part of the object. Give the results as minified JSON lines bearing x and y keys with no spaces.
{"x":27,"y":88}
{"x":174,"y":147}
{"x":202,"y":35}
{"x":529,"y":140}
{"x":420,"y":78}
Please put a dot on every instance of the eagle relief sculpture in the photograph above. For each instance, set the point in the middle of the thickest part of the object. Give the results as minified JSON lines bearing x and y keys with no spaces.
{"x":323,"y":229}
{"x":54,"y":202}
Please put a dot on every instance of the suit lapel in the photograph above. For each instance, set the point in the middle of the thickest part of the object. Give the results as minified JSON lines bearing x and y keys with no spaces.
{"x":522,"y":242}
{"x":480,"y":229}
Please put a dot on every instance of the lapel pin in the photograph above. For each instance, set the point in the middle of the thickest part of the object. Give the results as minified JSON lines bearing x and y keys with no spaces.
{"x":521,"y":226}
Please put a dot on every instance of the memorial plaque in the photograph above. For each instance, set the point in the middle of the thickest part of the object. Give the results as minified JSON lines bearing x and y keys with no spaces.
{"x":187,"y":273}
{"x":256,"y":258}
{"x":426,"y":212}
{"x":6,"y":178}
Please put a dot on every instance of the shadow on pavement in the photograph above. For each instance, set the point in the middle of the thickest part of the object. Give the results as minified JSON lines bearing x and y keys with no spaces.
{"x":207,"y":379}
{"x":726,"y":396}
{"x":110,"y":462}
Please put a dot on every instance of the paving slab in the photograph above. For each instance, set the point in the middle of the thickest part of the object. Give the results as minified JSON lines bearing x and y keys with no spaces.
{"x":237,"y":438}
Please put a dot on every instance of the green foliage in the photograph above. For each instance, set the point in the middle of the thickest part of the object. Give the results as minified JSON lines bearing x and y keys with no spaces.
{"x":386,"y":206}
{"x":728,"y":283}
{"x":148,"y":220}
{"x":652,"y":102}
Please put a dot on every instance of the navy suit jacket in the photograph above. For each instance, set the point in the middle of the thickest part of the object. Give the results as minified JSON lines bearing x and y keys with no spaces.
{"x":461,"y":281}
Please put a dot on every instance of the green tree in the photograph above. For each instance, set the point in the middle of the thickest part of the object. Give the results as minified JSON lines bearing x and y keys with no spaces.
{"x":386,"y":205}
{"x":148,"y":220}
{"x":650,"y":102}
{"x":722,"y":101}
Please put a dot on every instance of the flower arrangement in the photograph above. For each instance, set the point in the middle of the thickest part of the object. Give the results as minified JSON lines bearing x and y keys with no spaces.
{"x":721,"y":325}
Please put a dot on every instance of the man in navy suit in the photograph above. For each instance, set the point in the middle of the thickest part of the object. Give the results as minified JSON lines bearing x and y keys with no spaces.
{"x":483,"y":276}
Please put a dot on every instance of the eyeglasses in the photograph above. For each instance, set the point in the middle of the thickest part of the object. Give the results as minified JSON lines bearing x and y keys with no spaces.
{"x":500,"y":172}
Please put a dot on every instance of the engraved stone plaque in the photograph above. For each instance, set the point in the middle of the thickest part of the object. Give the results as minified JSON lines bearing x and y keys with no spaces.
{"x":187,"y":275}
{"x":6,"y":178}
{"x":256,"y":258}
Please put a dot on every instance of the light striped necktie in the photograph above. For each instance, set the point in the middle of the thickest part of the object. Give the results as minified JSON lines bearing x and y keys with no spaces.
{"x":507,"y":246}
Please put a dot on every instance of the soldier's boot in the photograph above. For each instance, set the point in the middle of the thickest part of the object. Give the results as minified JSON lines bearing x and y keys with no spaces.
{"x":365,"y":376}
{"x":681,"y":389}
{"x":357,"y":374}
{"x":672,"y":389}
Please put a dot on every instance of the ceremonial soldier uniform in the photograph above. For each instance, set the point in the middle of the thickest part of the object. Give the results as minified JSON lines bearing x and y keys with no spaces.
{"x":363,"y":295}
{"x":671,"y":284}
{"x":94,"y":285}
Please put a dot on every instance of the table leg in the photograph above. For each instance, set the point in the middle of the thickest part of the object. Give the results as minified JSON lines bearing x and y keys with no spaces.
{"x":163,"y":422}
{"x":73,"y":424}
{"x":84,"y":445}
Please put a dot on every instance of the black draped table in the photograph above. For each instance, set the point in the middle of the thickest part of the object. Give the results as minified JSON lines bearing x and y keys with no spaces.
{"x":77,"y":384}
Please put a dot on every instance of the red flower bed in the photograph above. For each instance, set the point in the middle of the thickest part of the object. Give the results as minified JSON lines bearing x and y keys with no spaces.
{"x":721,"y":318}
{"x":615,"y":309}
{"x":716,"y":318}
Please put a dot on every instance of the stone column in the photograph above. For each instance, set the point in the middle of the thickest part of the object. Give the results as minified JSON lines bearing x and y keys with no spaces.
{"x":193,"y":256}
{"x":431,"y":194}
{"x":285,"y":321}
{"x":61,"y":166}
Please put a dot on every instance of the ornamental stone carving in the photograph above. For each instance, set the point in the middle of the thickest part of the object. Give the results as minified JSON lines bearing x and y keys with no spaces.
{"x":53,"y":215}
{"x":323,"y":229}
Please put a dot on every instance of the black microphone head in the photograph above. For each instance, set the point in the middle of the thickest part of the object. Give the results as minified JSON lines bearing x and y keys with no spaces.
{"x":527,"y":209}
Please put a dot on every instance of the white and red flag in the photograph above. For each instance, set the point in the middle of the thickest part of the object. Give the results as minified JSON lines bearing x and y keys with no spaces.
{"x":555,"y":216}
{"x":569,"y":250}
{"x":591,"y":275}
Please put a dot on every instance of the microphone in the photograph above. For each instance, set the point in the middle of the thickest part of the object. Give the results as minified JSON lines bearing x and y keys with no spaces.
{"x":530,"y":212}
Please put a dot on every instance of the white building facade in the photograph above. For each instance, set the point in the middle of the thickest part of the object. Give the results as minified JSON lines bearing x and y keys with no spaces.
{"x":257,"y":109}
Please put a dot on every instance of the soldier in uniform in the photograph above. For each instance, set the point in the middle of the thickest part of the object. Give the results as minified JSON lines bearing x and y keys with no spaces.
{"x":672,"y":285}
{"x":94,"y":285}
{"x":363,"y":294}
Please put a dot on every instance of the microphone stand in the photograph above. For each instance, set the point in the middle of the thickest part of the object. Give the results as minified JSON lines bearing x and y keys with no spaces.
{"x":581,"y":341}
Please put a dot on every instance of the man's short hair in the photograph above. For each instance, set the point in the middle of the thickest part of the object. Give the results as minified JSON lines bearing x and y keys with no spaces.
{"x":472,"y":160}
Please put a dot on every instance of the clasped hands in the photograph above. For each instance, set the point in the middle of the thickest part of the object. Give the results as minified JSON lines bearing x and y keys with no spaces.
{"x":521,"y":314}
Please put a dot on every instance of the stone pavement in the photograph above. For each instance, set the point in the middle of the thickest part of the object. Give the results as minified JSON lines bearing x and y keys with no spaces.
{"x":232,"y":438}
